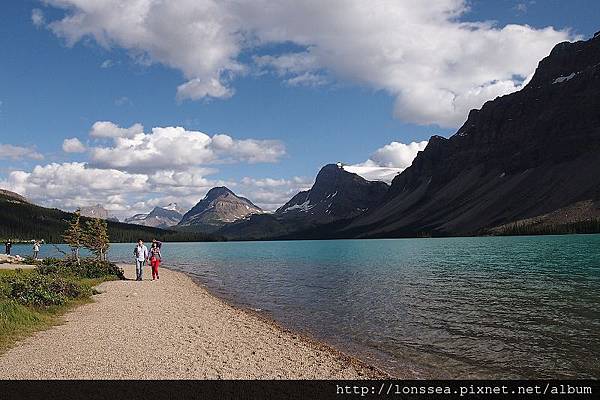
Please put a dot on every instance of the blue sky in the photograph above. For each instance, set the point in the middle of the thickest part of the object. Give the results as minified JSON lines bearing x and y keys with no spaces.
{"x":51,"y":90}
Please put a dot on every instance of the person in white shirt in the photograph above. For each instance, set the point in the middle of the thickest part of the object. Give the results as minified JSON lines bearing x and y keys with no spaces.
{"x":36,"y":249}
{"x":141,"y":256}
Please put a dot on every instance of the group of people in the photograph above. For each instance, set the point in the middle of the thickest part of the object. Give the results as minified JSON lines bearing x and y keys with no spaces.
{"x":36,"y":247}
{"x":143,"y":255}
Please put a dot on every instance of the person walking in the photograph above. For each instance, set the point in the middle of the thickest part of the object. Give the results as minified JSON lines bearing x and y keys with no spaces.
{"x":141,"y":256}
{"x":36,"y":249}
{"x":155,"y":259}
{"x":8,"y":246}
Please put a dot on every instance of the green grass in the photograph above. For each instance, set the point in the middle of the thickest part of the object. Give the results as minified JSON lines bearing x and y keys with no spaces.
{"x":32,"y":300}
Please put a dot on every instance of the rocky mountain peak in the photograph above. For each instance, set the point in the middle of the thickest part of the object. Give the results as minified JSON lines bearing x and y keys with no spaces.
{"x":219,"y":207}
{"x":335,"y":194}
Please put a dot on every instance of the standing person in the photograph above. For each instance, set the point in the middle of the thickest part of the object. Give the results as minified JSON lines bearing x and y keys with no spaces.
{"x":155,"y":259}
{"x":36,"y":249}
{"x":141,"y":255}
{"x":8,"y":246}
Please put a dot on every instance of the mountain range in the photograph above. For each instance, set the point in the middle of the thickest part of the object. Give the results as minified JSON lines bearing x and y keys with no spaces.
{"x":336,"y":195}
{"x":527,"y":162}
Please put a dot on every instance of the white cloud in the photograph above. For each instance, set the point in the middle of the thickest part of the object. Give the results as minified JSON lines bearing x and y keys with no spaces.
{"x":388,"y":161}
{"x":298,"y":69}
{"x":175,"y":148}
{"x":37,"y":17}
{"x":373,"y":172}
{"x":270,"y":193}
{"x":198,"y":89}
{"x":129,"y":170}
{"x":73,"y":145}
{"x":72,"y":185}
{"x":107,"y":129}
{"x":435,"y":66}
{"x":398,"y":155}
{"x":12,"y":152}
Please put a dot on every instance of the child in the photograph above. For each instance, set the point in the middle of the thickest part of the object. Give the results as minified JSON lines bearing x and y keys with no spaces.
{"x":155,"y":259}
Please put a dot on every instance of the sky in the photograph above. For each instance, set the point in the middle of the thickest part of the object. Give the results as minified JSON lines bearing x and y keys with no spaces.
{"x":134,"y":104}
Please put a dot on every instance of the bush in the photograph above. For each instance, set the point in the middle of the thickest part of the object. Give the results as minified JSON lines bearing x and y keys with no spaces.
{"x":51,"y":261}
{"x":44,"y":290}
{"x":30,"y":261}
{"x":88,"y":268}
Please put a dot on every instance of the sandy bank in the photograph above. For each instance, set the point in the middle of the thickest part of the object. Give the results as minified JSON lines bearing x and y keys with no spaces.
{"x":170,"y":329}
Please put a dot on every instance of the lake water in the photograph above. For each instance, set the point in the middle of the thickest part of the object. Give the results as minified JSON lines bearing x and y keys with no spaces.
{"x":451,"y":307}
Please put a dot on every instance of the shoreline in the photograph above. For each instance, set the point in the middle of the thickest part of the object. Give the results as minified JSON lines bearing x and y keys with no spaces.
{"x":173,"y":328}
{"x":306,"y":337}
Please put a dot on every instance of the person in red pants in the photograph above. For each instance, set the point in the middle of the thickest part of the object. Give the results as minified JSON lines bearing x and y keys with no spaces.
{"x":155,"y":258}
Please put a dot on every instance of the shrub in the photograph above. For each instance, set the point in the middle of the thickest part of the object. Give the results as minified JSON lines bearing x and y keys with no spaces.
{"x":44,"y":290}
{"x":51,"y":261}
{"x":30,"y":261}
{"x":87,"y":268}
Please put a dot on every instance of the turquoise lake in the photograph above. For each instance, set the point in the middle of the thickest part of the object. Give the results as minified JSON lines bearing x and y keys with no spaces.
{"x":501,"y":307}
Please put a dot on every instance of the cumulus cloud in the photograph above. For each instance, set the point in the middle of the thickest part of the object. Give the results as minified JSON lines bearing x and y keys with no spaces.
{"x":436,"y":66}
{"x":77,"y":184}
{"x":71,"y":185}
{"x":107,"y":129}
{"x":398,"y":155}
{"x":196,"y":88}
{"x":73,"y":145}
{"x":175,"y":148}
{"x":129,"y":170}
{"x":12,"y":152}
{"x":388,"y":161}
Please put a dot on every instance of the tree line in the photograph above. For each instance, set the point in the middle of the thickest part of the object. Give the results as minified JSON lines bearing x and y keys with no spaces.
{"x":520,"y":228}
{"x":26,"y":221}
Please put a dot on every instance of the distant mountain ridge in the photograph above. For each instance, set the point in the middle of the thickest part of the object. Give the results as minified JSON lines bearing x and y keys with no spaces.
{"x":336,"y":195}
{"x":219,"y":207}
{"x":97,"y":211}
{"x":159,"y":217}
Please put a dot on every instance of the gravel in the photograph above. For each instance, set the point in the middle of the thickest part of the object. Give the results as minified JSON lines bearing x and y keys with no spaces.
{"x":171,"y":329}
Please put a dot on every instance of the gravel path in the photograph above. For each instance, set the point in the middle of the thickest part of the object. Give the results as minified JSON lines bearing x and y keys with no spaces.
{"x":15,"y":266}
{"x":170,"y":329}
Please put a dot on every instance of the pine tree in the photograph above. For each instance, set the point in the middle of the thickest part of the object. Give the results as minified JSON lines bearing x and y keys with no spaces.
{"x":74,"y":235}
{"x":96,"y":237}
